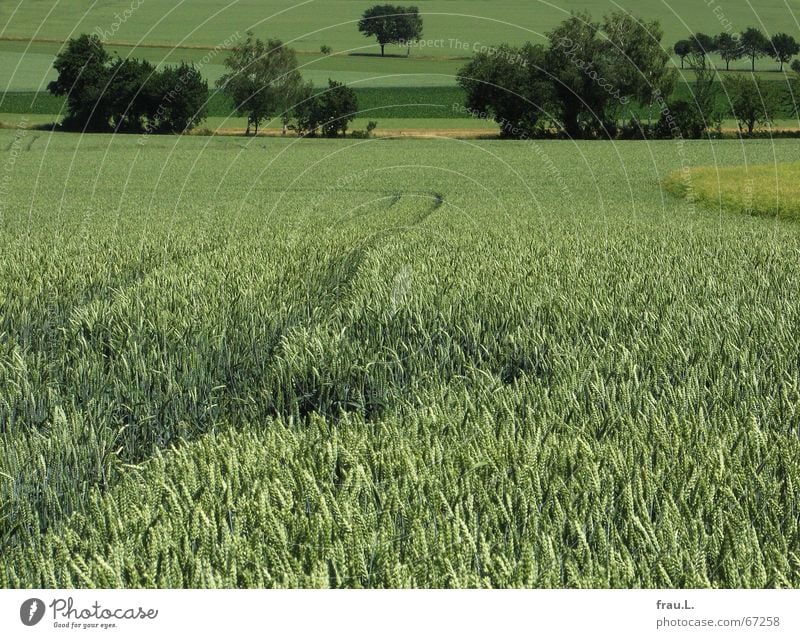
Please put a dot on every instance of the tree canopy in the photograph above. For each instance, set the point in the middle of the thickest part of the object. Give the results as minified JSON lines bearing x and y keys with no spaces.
{"x":391,"y":24}
{"x":330,"y":111}
{"x":262,"y":79}
{"x":125,"y":94}
{"x":783,"y":48}
{"x":729,"y":48}
{"x":683,"y":48}
{"x":83,"y":77}
{"x":754,"y":45}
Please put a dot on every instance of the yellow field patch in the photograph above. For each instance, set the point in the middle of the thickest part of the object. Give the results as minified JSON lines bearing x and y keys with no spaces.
{"x":769,"y":189}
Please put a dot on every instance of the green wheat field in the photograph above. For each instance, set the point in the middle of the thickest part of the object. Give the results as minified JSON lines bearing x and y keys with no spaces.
{"x":394,"y":363}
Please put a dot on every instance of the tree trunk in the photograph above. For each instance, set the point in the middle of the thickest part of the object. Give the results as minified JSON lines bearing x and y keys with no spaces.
{"x":255,"y":134}
{"x":383,"y":46}
{"x":681,"y":63}
{"x":247,"y":132}
{"x":727,"y":65}
{"x":571,"y":126}
{"x":753,"y":58}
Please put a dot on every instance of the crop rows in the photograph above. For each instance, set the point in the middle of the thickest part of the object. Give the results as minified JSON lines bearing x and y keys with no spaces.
{"x":393,"y":364}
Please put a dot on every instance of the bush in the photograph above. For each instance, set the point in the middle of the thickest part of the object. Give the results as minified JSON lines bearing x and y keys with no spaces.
{"x":365,"y":134}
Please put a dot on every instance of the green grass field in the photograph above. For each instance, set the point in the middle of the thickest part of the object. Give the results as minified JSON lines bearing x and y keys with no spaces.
{"x":389,"y":363}
{"x":311,"y":23}
{"x":450,"y":24}
{"x":376,"y":102}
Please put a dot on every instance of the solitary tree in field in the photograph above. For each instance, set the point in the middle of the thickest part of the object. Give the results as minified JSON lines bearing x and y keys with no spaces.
{"x":683,"y":48}
{"x":784,"y":47}
{"x":729,"y":48}
{"x":391,"y":24}
{"x":262,"y":79}
{"x":754,"y":45}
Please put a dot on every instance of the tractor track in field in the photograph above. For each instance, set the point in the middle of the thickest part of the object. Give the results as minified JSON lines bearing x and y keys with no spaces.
{"x":316,"y":388}
{"x":252,"y":385}
{"x":340,"y":272}
{"x":332,"y":281}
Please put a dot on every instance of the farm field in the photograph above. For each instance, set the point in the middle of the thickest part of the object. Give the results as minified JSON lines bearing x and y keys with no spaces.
{"x":308,"y":24}
{"x":389,"y":363}
{"x":187,"y":30}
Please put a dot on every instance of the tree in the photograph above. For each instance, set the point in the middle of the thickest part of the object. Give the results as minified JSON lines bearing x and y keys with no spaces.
{"x":183,"y":99}
{"x":693,"y":117}
{"x":508,"y":85}
{"x":83,"y":77}
{"x":729,"y":49}
{"x":391,"y":24}
{"x":330,"y":111}
{"x":784,"y":47}
{"x":262,"y":80}
{"x":635,"y":59}
{"x":574,"y":61}
{"x":132,"y":94}
{"x":796,"y":66}
{"x":704,"y":94}
{"x":754,"y":45}
{"x":682,"y":49}
{"x":752,"y":104}
{"x":681,"y":119}
{"x":702,"y":45}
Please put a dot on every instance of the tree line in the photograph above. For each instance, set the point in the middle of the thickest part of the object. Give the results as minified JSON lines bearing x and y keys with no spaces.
{"x":128,"y":95}
{"x":608,"y":78}
{"x":591,"y":79}
{"x":107,"y":94}
{"x":750,"y":43}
